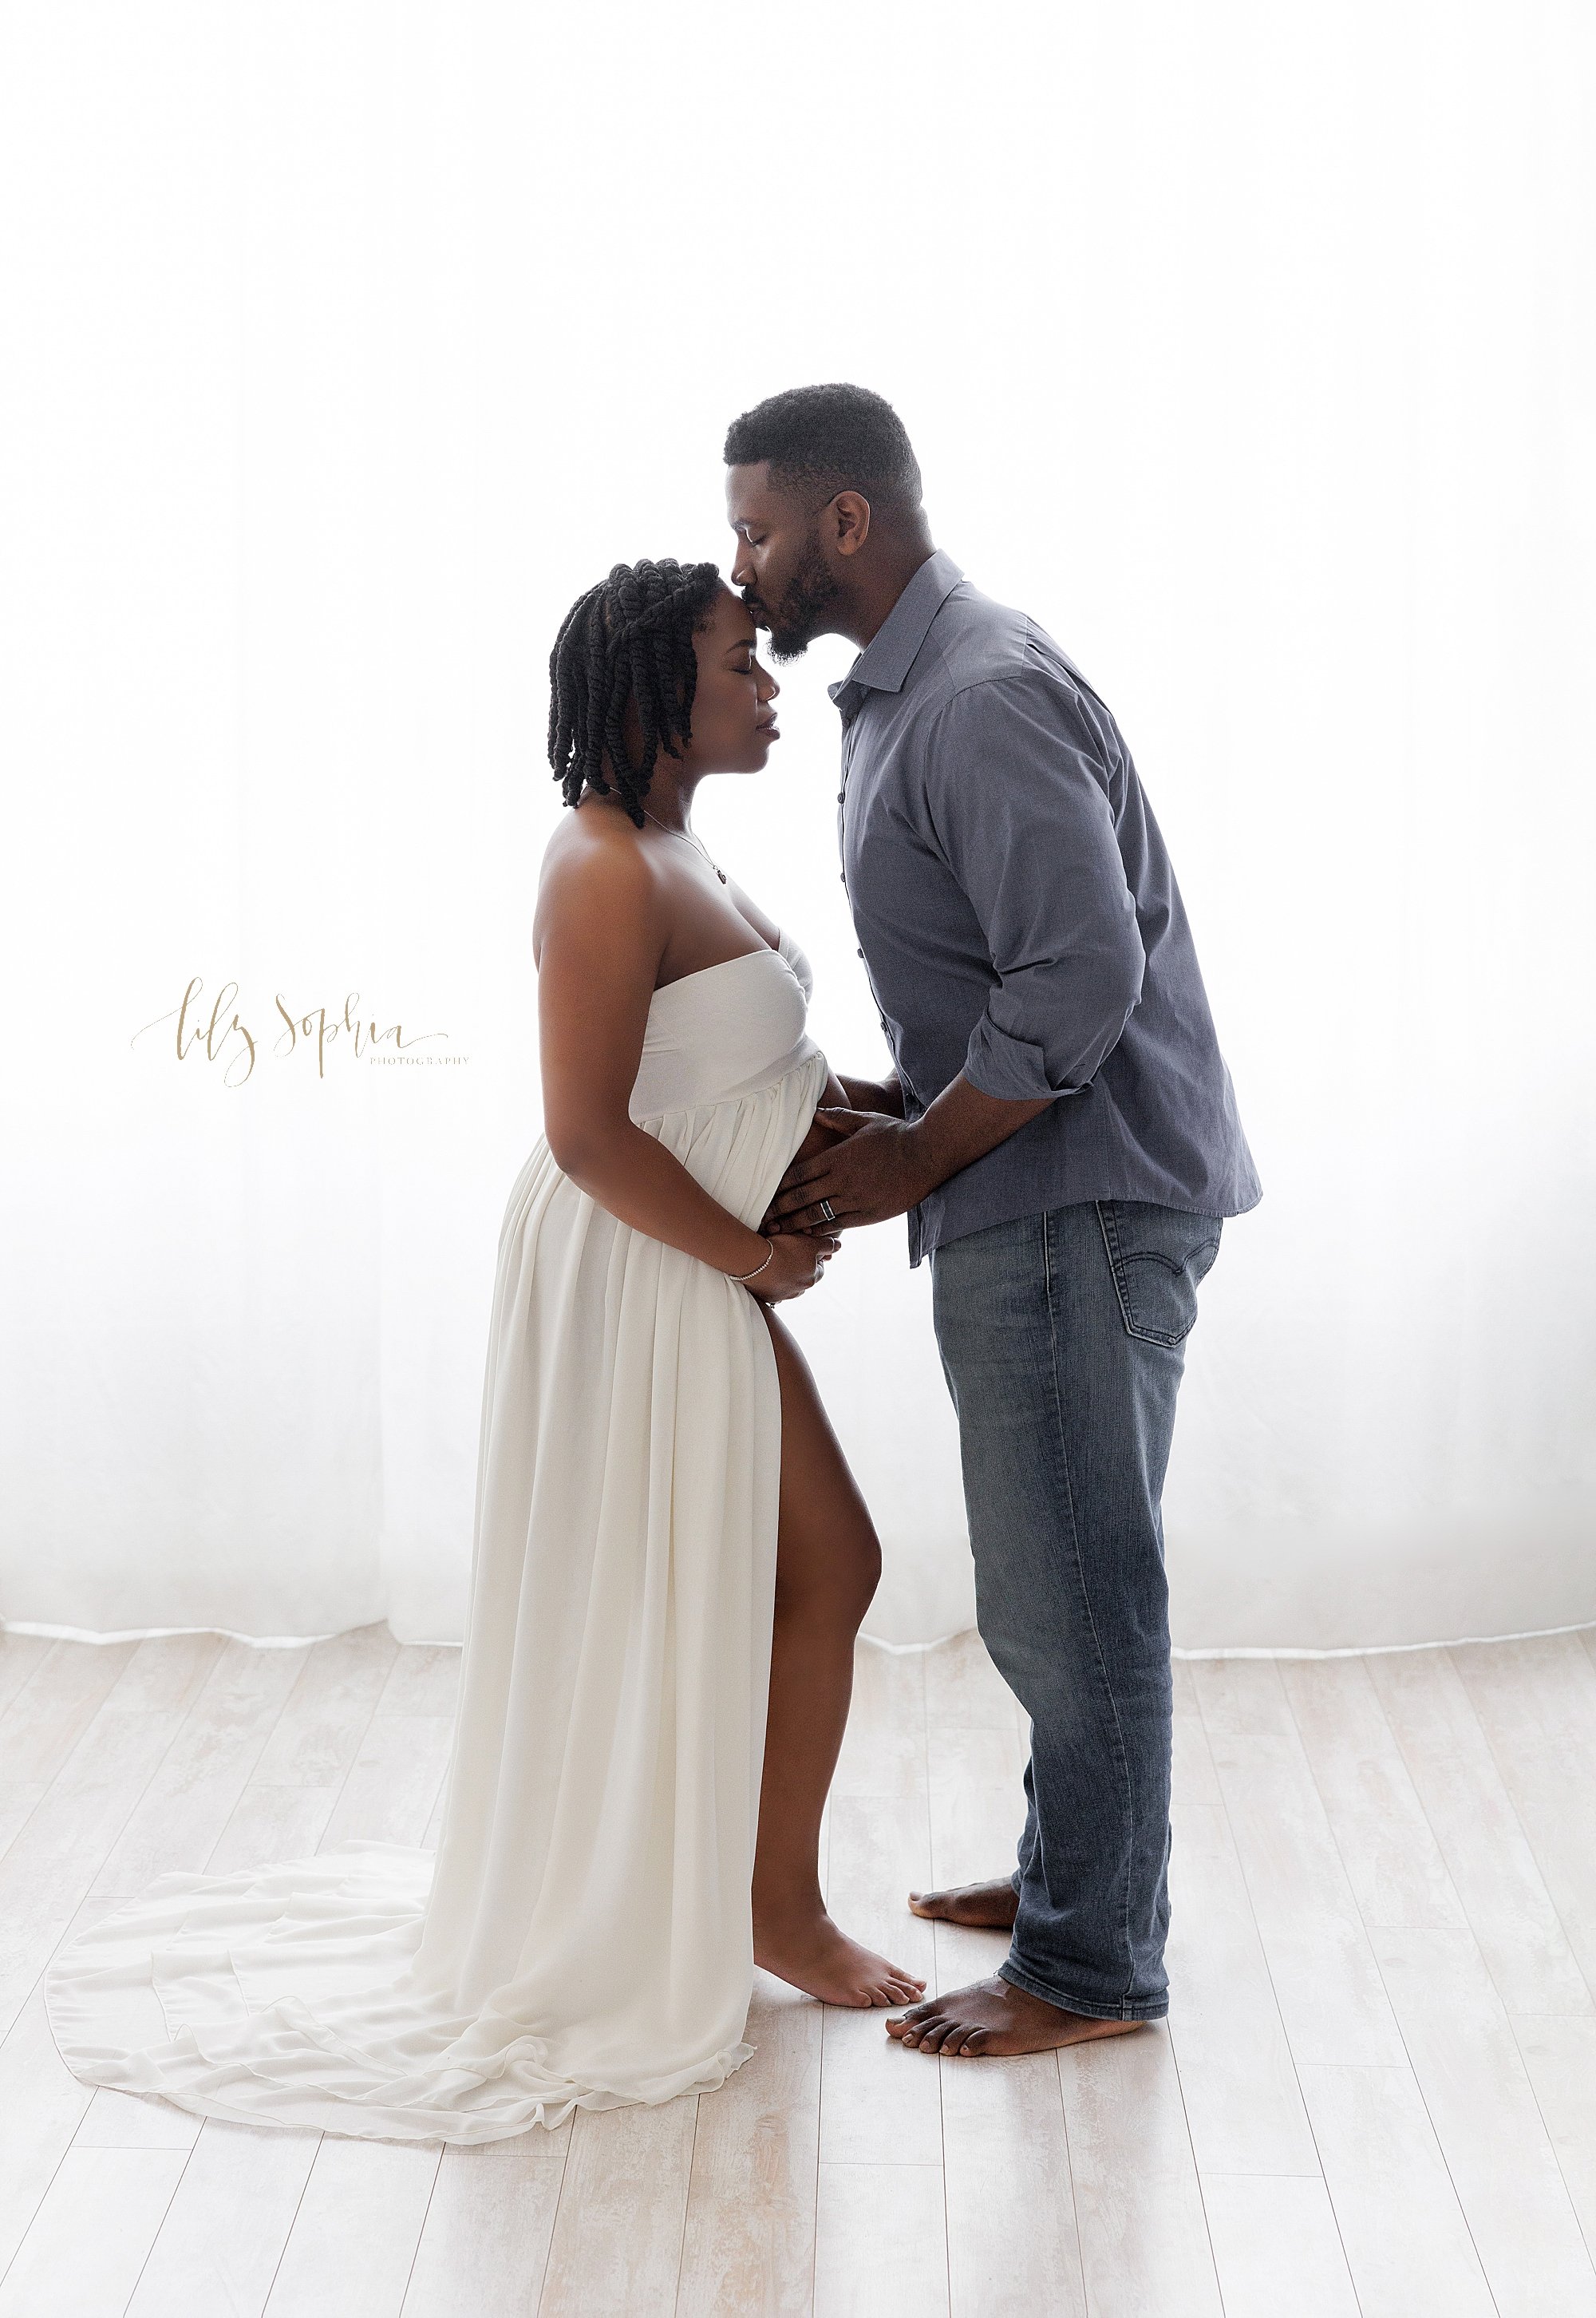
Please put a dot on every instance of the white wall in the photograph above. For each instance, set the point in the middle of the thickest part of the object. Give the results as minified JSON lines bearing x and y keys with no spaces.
{"x":1249,"y":348}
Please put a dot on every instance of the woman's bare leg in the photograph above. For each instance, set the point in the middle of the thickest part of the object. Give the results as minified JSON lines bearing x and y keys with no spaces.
{"x":827,"y":1564}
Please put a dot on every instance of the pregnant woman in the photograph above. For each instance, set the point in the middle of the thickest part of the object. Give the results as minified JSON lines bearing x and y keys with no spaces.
{"x":670,"y":1558}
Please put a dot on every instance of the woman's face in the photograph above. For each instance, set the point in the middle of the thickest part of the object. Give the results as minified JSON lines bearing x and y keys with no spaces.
{"x":733,"y":722}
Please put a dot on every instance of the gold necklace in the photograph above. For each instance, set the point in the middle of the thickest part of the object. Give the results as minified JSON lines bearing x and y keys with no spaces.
{"x":688,"y":838}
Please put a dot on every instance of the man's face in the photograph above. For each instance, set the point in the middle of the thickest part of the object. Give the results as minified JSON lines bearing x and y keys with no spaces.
{"x":780,"y":566}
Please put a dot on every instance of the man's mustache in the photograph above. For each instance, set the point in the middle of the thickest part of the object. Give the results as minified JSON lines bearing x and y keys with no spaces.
{"x":755,"y":608}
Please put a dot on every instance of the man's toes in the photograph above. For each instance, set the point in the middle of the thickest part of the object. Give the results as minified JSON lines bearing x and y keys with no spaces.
{"x":920,"y":2021}
{"x":975,"y":2041}
{"x":936,"y":2034}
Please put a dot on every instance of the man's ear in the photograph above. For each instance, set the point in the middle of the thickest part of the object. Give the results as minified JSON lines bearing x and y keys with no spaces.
{"x":850,"y":513}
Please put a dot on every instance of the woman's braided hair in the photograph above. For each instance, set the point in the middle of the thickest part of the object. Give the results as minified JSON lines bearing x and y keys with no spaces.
{"x":628,"y":639}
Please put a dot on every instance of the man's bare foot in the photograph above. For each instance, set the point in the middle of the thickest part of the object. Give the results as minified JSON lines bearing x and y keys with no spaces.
{"x":810,"y":1953}
{"x":988,"y":1907}
{"x":993,"y":2017}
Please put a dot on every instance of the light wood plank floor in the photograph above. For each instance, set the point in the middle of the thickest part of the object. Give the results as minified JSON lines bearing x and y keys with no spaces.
{"x":1375,"y":2092}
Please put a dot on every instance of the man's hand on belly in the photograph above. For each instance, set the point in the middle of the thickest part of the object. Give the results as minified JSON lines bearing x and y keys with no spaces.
{"x":883,"y":1167}
{"x":871,"y":1169}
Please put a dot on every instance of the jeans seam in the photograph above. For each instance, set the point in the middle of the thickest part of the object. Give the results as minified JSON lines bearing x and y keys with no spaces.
{"x":1124,"y":1762}
{"x":1116,"y":1268}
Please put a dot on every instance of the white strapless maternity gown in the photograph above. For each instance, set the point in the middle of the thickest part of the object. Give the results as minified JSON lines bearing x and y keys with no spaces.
{"x":585,"y":1938}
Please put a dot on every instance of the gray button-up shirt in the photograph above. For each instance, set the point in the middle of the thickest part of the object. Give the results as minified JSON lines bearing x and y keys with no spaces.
{"x":1020,"y":922}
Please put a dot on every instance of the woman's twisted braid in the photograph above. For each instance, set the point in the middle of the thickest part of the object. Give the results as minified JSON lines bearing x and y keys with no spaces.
{"x":629,"y":639}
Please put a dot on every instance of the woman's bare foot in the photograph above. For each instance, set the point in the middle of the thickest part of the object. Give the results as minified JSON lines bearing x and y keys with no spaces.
{"x":990,"y":2015}
{"x":809,"y":1951}
{"x":988,"y":1907}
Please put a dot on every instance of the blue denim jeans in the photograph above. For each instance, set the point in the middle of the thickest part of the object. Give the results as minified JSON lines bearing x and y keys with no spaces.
{"x":1062,"y":1340}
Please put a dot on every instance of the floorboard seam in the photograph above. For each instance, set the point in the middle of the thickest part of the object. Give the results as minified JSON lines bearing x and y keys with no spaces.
{"x":1275,"y":1994}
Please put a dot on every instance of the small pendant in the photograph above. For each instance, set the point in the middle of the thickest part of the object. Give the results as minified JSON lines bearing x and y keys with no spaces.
{"x":720,"y":873}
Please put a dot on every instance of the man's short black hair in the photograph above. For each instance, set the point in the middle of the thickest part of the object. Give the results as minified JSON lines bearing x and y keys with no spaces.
{"x":830,"y":438}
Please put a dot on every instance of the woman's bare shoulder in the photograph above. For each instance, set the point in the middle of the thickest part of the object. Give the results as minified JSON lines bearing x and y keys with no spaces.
{"x":593,"y":866}
{"x":596,"y":850}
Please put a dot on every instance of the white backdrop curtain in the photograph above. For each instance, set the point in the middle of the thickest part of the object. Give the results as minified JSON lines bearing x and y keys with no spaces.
{"x":1249,"y":348}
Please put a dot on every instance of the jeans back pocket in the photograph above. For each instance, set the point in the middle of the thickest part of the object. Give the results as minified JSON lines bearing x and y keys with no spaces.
{"x":1158,"y":1257}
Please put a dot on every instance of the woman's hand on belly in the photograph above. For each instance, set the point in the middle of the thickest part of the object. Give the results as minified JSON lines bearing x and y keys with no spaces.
{"x":819,"y":1137}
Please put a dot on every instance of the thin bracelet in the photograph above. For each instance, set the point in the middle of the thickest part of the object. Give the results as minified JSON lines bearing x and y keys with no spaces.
{"x":758,"y":1268}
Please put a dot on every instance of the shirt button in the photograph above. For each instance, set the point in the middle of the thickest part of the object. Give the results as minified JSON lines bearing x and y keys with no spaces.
{"x":859,"y":953}
{"x":840,"y":795}
{"x":842,"y":876}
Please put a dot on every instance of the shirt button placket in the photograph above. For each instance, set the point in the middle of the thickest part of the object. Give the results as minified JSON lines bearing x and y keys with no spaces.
{"x":847,"y":760}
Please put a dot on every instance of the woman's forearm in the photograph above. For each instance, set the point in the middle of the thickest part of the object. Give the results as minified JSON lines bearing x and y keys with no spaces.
{"x":634,"y":1176}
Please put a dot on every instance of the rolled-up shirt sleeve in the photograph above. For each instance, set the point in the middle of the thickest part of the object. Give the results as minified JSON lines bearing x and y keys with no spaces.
{"x":1017,"y":789}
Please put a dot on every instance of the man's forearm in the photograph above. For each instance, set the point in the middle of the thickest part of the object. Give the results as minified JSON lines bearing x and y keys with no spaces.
{"x":962,"y":1126}
{"x":874,"y":1094}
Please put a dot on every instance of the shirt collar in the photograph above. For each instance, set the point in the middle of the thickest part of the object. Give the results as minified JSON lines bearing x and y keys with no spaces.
{"x":887,"y":658}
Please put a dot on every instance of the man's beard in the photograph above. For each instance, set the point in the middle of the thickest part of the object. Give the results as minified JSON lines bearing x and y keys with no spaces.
{"x":805,"y":611}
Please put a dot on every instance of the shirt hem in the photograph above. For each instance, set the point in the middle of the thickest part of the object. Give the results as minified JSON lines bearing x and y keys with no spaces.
{"x":927,"y":1240}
